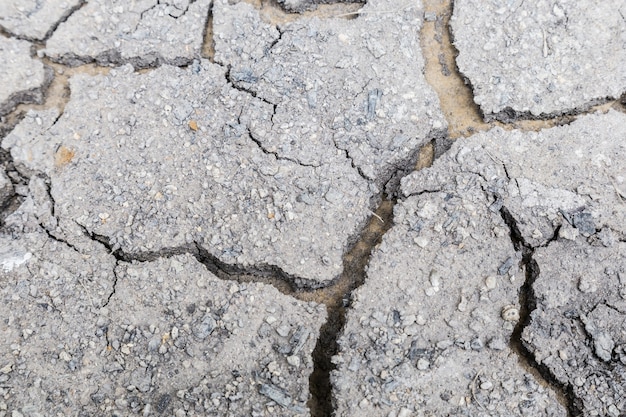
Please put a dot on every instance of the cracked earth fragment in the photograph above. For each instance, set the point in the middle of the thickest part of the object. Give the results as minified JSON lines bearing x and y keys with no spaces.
{"x":577,"y":329}
{"x":568,"y":206}
{"x":541,"y":58}
{"x":214,"y":187}
{"x":144,"y":33}
{"x":164,"y":335}
{"x":23,"y":78}
{"x":580,"y":187}
{"x":429,"y":330}
{"x":34,"y":19}
{"x":443,"y":288}
{"x":218,"y":345}
{"x":50,"y":297}
{"x":353,"y":85}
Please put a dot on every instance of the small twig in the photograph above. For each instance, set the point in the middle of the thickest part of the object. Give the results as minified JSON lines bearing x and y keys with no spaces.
{"x":473,"y":390}
{"x":620,"y":195}
{"x":377,"y":216}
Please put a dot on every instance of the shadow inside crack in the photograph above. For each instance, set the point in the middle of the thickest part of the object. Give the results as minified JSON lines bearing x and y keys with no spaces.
{"x":528,"y":303}
{"x":337,"y":300}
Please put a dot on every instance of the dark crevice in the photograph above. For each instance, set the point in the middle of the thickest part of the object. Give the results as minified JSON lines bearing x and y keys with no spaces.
{"x":275,"y":154}
{"x":52,"y":236}
{"x":208,"y":44}
{"x":266,"y":151}
{"x":338,"y":299}
{"x":436,"y":147}
{"x":34,"y":95}
{"x":267,"y":274}
{"x":275,"y":41}
{"x":423,"y":192}
{"x":510,"y":116}
{"x":528,"y":303}
{"x":14,"y":200}
{"x":353,"y":164}
{"x":113,"y":58}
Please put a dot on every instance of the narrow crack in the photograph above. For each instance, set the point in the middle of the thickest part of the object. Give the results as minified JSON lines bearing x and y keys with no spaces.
{"x":34,"y":95}
{"x":275,"y":41}
{"x":64,"y":18}
{"x":115,"y":280}
{"x":528,"y":303}
{"x":230,"y":79}
{"x":276,"y":155}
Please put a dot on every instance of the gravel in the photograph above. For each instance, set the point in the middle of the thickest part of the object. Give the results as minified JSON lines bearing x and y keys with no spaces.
{"x":428,"y":332}
{"x":89,"y":334}
{"x":577,"y":330}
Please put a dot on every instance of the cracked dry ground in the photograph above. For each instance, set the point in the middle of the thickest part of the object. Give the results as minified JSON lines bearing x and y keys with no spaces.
{"x":289,"y":208}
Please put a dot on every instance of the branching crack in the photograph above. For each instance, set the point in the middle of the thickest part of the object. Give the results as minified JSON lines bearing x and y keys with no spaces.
{"x":247,"y":77}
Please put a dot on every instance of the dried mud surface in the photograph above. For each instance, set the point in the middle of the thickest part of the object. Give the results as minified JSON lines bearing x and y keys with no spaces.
{"x":464,"y":119}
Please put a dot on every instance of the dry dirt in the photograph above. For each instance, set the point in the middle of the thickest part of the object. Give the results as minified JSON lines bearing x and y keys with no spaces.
{"x":464,"y":119}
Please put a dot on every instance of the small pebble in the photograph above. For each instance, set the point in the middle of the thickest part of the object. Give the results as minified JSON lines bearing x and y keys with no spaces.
{"x":423,"y":364}
{"x":510,"y":313}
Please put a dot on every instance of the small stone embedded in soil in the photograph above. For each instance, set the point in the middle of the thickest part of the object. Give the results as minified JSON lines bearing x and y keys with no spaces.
{"x":23,"y":78}
{"x":540,"y":58}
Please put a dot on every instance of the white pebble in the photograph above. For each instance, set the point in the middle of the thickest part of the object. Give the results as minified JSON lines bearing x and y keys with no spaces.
{"x":510,"y":313}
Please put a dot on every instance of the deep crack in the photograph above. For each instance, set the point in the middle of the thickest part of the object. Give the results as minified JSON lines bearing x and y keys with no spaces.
{"x":528,"y":303}
{"x":337,"y":299}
